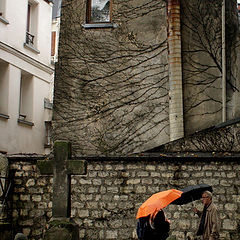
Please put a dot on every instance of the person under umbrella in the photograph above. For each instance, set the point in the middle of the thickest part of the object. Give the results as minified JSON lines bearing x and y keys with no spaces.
{"x":152,"y":223}
{"x":209,"y":224}
{"x":160,"y":226}
{"x":154,"y":227}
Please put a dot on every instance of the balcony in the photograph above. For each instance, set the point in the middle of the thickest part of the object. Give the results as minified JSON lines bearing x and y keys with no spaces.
{"x":30,"y":43}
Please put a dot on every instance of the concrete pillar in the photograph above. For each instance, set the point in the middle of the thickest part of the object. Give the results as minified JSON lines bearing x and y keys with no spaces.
{"x":175,"y":71}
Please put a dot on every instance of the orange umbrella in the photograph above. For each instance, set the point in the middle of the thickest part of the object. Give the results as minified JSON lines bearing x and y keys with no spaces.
{"x":158,"y":201}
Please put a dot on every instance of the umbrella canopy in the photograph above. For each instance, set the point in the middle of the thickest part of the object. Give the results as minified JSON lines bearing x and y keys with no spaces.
{"x":157,"y":202}
{"x":192,"y":193}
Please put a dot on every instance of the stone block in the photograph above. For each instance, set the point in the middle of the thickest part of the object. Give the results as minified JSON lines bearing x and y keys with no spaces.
{"x":155,"y":174}
{"x":150,"y":168}
{"x":141,"y":189}
{"x":229,"y":224}
{"x":147,"y":181}
{"x":76,"y":167}
{"x":110,"y":234}
{"x":45,"y":167}
{"x":36,"y":198}
{"x":143,"y":174}
{"x":133,"y":181}
{"x":112,"y":189}
{"x":30,"y":182}
{"x":108,"y":167}
{"x":97,"y":182}
{"x":230,"y":207}
{"x":24,"y":197}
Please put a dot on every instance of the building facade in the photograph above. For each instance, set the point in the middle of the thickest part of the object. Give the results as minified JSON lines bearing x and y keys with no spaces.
{"x":25,"y":76}
{"x":135,"y":75}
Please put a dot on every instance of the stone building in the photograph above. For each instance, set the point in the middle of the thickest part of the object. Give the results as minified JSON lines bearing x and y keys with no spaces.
{"x":146,"y":75}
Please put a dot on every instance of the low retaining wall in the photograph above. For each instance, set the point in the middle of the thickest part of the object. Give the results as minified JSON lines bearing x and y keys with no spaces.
{"x":104,"y":202}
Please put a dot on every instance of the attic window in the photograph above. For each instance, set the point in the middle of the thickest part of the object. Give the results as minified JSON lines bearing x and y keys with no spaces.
{"x":99,"y":11}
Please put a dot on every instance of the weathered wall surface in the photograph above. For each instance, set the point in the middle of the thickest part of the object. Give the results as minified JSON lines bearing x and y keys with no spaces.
{"x":111,"y":88}
{"x":202,"y":62}
{"x":105,"y":200}
{"x":112,"y":84}
{"x":222,"y":138}
{"x":32,"y":199}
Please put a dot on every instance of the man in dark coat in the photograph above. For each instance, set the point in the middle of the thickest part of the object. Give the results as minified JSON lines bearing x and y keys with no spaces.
{"x":209,"y":224}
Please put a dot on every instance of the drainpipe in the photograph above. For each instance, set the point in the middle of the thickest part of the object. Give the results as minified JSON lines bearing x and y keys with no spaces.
{"x":223,"y":61}
{"x":175,"y":71}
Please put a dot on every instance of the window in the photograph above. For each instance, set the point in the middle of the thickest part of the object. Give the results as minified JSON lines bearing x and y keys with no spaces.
{"x":2,"y":8}
{"x":4,"y":88}
{"x":3,"y":12}
{"x":53,"y":47}
{"x":99,"y":11}
{"x":31,"y":29}
{"x":26,"y":98}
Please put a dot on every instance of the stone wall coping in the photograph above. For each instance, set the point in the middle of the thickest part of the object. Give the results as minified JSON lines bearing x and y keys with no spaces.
{"x":183,"y":156}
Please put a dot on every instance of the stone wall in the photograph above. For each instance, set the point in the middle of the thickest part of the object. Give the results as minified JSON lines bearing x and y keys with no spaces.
{"x":105,"y":200}
{"x":32,"y":199}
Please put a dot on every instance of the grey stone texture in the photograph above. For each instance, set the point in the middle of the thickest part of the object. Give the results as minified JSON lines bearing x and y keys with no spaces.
{"x":104,"y":201}
{"x":224,"y":138}
{"x":117,"y":80}
{"x":112,"y":85}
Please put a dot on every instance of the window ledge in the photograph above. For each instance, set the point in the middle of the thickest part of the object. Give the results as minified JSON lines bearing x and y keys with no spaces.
{"x":30,"y":47}
{"x":100,"y":25}
{"x":4,"y":116}
{"x":3,"y":20}
{"x":25,"y":122}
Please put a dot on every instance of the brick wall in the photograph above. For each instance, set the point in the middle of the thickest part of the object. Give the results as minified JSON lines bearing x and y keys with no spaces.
{"x":105,"y":201}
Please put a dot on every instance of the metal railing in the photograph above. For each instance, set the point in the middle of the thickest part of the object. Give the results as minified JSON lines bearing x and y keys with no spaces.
{"x":6,"y":202}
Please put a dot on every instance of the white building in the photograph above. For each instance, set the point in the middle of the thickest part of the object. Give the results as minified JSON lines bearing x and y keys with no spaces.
{"x":26,"y":75}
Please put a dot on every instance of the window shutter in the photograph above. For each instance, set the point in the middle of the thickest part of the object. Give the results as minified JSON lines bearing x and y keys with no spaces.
{"x":53,"y":43}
